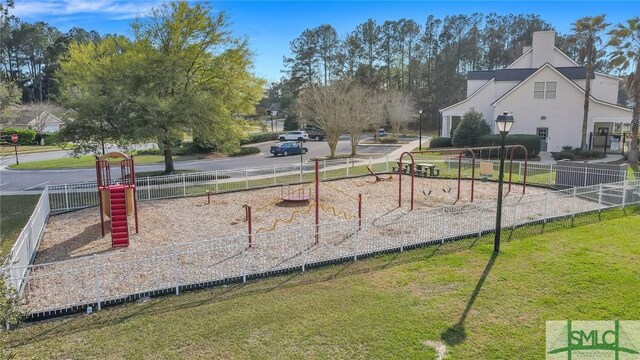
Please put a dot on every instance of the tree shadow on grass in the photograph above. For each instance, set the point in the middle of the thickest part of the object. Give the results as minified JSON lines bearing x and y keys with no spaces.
{"x":456,"y":334}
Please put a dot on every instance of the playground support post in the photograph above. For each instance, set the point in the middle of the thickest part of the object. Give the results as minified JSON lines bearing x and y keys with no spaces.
{"x":317,"y":201}
{"x":413,"y":175}
{"x":359,"y":212}
{"x":249,"y":225}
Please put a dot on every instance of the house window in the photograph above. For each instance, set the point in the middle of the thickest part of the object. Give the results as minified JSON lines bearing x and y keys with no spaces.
{"x":544,"y":90}
{"x":543,"y":132}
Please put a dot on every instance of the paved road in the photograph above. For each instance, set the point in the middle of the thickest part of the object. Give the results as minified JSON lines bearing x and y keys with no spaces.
{"x":12,"y":181}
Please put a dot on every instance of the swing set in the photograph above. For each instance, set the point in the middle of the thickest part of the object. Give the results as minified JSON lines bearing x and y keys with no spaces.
{"x":299,"y":195}
{"x":486,"y":167}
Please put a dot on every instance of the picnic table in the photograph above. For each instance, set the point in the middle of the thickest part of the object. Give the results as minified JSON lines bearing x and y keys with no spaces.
{"x":422,"y":169}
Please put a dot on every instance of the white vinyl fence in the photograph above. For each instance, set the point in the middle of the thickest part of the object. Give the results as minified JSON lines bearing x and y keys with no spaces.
{"x":24,"y":250}
{"x":100,"y":279}
{"x":75,"y":196}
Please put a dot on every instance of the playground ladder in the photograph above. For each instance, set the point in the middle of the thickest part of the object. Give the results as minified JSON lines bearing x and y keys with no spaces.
{"x":119,"y":225}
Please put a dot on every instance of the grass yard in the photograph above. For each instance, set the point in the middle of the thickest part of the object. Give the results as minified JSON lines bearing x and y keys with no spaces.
{"x":87,"y":161}
{"x":15,"y":211}
{"x":390,"y":306}
{"x":8,"y":150}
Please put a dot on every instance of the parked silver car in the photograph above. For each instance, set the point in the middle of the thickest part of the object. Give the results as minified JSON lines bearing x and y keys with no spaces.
{"x":294,"y":136}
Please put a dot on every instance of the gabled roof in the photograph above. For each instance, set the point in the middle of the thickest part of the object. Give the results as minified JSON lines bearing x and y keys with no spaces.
{"x":573,"y":73}
{"x":547,"y":65}
{"x":468,"y":97}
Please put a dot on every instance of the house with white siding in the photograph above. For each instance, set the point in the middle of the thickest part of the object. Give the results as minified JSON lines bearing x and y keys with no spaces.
{"x":544,"y":90}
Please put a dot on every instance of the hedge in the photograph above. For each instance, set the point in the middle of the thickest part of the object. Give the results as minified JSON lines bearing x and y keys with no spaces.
{"x":387,"y":140}
{"x":25,"y":137}
{"x":247,"y":150}
{"x":260,"y":137}
{"x":440,"y":142}
{"x":530,"y":142}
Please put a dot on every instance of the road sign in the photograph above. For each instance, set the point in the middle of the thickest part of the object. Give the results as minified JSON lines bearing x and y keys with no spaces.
{"x":14,"y":138}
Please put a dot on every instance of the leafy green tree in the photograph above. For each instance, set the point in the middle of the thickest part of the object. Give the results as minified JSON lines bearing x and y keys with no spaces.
{"x":9,"y":98}
{"x":469,"y":130}
{"x":183,"y":73}
{"x":625,"y":38}
{"x":291,"y":122}
{"x":586,"y":35}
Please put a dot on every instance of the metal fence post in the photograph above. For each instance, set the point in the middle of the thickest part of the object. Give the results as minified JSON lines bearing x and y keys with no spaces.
{"x":387,"y":164}
{"x":520,"y":171}
{"x":244,"y":264}
{"x":274,"y":175}
{"x":402,"y":230}
{"x":355,"y":241}
{"x":599,"y":197}
{"x":97,"y":273}
{"x":303,"y":246}
{"x":585,"y":177}
{"x":148,"y":188}
{"x":217,"y":181}
{"x":246,"y":178}
{"x":347,"y":167}
{"x":513,"y":218}
{"x":624,"y":193}
{"x":549,"y":174}
{"x":480,"y":223}
{"x":175,"y":269}
{"x":184,"y":185}
{"x":66,"y":197}
{"x":442,"y":224}
{"x":324,"y":169}
{"x":573,"y":205}
{"x":545,"y":205}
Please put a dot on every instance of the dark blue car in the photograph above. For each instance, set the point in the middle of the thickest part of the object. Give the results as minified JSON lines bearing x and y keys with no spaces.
{"x":288,"y":148}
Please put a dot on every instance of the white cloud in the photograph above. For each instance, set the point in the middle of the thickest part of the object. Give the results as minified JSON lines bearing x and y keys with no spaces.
{"x":110,"y":9}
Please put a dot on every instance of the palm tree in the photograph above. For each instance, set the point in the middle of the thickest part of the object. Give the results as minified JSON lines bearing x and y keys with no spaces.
{"x":625,"y":38}
{"x":586,"y":36}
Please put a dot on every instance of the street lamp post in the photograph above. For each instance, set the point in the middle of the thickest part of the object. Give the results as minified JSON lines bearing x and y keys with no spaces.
{"x":503,"y":123}
{"x":420,"y":131}
{"x":301,"y":142}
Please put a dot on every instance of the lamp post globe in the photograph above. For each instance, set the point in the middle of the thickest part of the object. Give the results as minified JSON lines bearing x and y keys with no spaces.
{"x":420,"y":131}
{"x":504,"y":123}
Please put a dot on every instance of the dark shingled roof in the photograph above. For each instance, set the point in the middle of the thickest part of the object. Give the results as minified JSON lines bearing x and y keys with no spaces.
{"x":573,"y":73}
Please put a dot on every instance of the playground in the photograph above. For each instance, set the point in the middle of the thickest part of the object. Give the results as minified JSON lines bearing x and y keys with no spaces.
{"x":163,"y":222}
{"x":165,"y":244}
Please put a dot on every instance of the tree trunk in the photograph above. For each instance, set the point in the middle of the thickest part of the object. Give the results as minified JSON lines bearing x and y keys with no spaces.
{"x":633,"y":150}
{"x":168,"y":158}
{"x":332,"y":148}
{"x":354,"y":144}
{"x":587,"y":92}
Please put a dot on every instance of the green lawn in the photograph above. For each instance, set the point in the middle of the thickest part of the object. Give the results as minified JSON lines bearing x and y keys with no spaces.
{"x":87,"y":161}
{"x":15,"y":211}
{"x":386,"y":307}
{"x":8,"y":150}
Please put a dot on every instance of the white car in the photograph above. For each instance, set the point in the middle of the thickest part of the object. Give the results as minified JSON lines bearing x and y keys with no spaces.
{"x":294,"y":136}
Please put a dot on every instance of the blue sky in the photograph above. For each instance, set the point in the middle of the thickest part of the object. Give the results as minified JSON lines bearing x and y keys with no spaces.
{"x":271,"y":25}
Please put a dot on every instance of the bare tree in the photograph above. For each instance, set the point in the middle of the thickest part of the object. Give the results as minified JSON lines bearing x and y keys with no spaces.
{"x":400,"y":109}
{"x":364,"y":111}
{"x":326,"y":107}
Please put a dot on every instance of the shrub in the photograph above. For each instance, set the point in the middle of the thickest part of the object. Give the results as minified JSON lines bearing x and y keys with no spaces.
{"x":567,"y":148}
{"x":51,"y":138}
{"x":564,"y":154}
{"x":387,"y":140}
{"x":440,"y":142}
{"x":246,"y":150}
{"x":25,"y":137}
{"x":260,"y":137}
{"x":591,"y":154}
{"x":468,"y":132}
{"x":530,"y":142}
